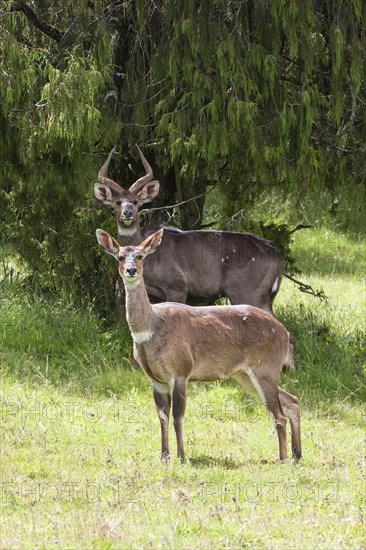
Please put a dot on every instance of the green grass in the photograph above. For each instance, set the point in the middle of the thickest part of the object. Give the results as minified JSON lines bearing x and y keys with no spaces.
{"x":81,"y":438}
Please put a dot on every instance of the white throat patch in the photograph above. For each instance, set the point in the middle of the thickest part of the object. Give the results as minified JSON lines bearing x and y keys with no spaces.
{"x":126,"y":231}
{"x":131,"y":282}
{"x":141,"y":337}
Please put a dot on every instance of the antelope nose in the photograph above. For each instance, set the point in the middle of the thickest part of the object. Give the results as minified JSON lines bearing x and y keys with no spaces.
{"x":127,"y":212}
{"x":131,"y":271}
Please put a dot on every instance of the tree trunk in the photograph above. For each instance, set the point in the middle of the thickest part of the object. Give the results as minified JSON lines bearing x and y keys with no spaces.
{"x":120,"y":298}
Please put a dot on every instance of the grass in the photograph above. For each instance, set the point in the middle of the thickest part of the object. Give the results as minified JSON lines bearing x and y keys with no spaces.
{"x":81,"y":439}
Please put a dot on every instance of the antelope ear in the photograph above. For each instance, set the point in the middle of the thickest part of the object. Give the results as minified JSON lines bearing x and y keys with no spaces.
{"x":152,"y":242}
{"x":148,"y":192}
{"x":107,"y":242}
{"x":103,"y":194}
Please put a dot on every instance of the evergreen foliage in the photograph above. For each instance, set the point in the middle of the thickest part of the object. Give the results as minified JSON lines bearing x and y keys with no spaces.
{"x":248,"y":95}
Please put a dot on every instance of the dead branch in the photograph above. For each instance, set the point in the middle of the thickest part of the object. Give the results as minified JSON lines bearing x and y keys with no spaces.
{"x":172,"y":205}
{"x":307,"y":289}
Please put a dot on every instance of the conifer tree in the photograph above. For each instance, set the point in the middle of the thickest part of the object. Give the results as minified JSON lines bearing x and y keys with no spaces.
{"x":246,"y":95}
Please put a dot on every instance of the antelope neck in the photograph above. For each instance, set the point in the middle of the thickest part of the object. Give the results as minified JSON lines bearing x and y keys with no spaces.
{"x":139,"y":312}
{"x":129,"y":235}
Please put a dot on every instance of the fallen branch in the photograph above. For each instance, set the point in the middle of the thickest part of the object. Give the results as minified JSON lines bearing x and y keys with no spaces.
{"x":307,"y":289}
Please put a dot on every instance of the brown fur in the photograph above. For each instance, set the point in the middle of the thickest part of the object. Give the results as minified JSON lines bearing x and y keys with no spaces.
{"x":195,"y":267}
{"x":176,"y":343}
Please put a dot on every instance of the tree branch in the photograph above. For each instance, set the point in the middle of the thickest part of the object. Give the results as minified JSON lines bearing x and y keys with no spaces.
{"x":172,"y":205}
{"x":298,"y":227}
{"x":41,"y":25}
{"x":308,"y":289}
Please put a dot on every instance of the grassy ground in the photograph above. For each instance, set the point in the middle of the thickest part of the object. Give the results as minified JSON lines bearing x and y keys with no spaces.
{"x":81,"y":439}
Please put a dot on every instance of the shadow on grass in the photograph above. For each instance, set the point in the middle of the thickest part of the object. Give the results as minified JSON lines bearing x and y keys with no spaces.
{"x":86,"y":377}
{"x":330,"y":364}
{"x":206,"y":461}
{"x":52,"y":343}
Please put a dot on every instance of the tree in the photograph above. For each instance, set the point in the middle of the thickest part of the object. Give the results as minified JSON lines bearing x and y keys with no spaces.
{"x":243,"y":94}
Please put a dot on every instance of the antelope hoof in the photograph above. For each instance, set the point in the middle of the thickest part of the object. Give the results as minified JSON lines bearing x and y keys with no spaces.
{"x":165,"y":457}
{"x":296,"y":454}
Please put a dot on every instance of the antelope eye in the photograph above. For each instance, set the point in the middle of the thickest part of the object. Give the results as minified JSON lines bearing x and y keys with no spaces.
{"x":134,"y":202}
{"x":121,"y":258}
{"x":119,"y":203}
{"x":139,"y":257}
